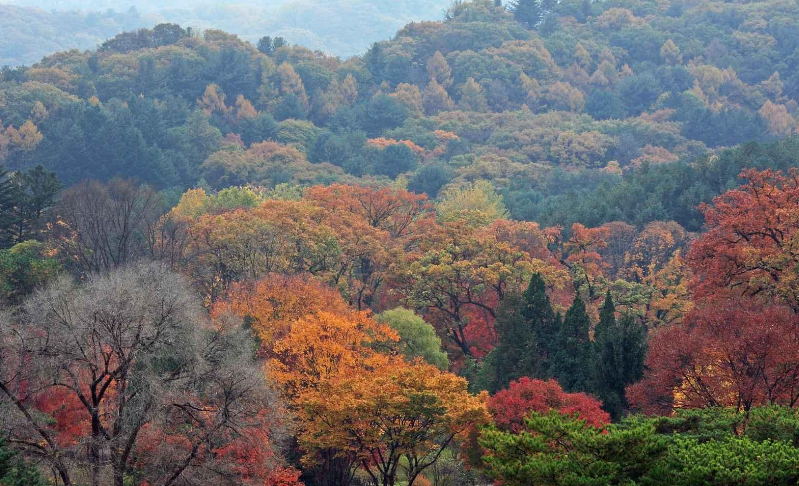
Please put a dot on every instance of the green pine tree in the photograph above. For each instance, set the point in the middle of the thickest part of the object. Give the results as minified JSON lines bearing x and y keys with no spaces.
{"x":572,"y":360}
{"x":33,"y":193}
{"x":620,"y":350}
{"x":516,"y":354}
{"x":15,"y":472}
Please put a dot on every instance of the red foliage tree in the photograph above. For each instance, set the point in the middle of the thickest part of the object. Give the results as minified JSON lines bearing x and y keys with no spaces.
{"x":750,"y":246}
{"x":733,"y":353}
{"x":510,"y":406}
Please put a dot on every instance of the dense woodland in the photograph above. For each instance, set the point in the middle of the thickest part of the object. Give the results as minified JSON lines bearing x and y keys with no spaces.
{"x":542,"y":243}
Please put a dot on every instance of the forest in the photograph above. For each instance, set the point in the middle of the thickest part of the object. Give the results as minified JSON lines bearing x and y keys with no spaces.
{"x":535,"y":243}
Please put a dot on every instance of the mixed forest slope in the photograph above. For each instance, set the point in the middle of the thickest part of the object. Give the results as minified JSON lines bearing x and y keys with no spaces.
{"x":598,"y":93}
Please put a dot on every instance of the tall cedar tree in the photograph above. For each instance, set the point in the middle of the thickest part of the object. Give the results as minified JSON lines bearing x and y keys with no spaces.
{"x":620,"y":350}
{"x":516,"y":354}
{"x":540,"y":317}
{"x":572,"y":359}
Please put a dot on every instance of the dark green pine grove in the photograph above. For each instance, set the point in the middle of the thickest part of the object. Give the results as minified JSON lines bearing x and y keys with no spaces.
{"x":535,"y":342}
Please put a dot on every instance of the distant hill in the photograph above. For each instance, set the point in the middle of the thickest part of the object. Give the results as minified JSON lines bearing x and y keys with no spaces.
{"x":28,"y":34}
{"x":339,"y":27}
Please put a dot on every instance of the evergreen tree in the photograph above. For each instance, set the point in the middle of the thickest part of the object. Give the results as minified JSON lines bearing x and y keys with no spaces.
{"x":528,"y":12}
{"x":540,"y":317}
{"x":33,"y":192}
{"x":6,"y":208}
{"x":572,"y":361}
{"x":516,"y":354}
{"x":620,"y":350}
{"x":526,"y":326}
{"x":14,"y":471}
{"x":265,"y":45}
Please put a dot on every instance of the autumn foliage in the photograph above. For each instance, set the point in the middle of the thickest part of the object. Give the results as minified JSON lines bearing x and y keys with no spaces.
{"x":509,"y":407}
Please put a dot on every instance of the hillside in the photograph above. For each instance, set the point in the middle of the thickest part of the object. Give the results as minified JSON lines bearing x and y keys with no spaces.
{"x":597,"y":94}
{"x":338,"y":27}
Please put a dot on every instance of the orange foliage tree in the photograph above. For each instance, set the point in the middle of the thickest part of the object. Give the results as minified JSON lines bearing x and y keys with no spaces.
{"x":317,"y":348}
{"x":270,"y":305}
{"x":396,"y":416}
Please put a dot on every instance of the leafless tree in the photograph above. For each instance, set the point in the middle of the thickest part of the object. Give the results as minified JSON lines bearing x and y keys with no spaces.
{"x":100,"y":226}
{"x":144,"y":380}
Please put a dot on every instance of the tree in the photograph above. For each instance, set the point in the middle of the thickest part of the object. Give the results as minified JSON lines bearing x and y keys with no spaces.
{"x":34,"y":193}
{"x":6,"y":208}
{"x":349,"y":90}
{"x":14,"y":471}
{"x":438,"y":70}
{"x":460,"y":275}
{"x":103,"y":226}
{"x":395,"y":160}
{"x":436,"y":99}
{"x":517,"y":353}
{"x":563,"y":96}
{"x":511,"y":406}
{"x":402,"y":214}
{"x":477,"y":203}
{"x":268,"y":45}
{"x":718,"y":447}
{"x":270,"y":305}
{"x":779,"y":121}
{"x":528,"y":12}
{"x":397,"y":416}
{"x":538,"y":312}
{"x":572,"y":362}
{"x":670,"y":53}
{"x":620,"y":350}
{"x":473,"y":97}
{"x":24,"y":268}
{"x":555,"y":449}
{"x":746,"y":249}
{"x":124,"y":372}
{"x":582,"y":57}
{"x":318,"y":348}
{"x":726,"y":352}
{"x":291,"y":84}
{"x":417,"y":339}
{"x":384,"y":112}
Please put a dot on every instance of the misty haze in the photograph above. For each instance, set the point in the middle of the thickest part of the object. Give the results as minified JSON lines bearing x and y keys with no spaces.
{"x":32,"y":29}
